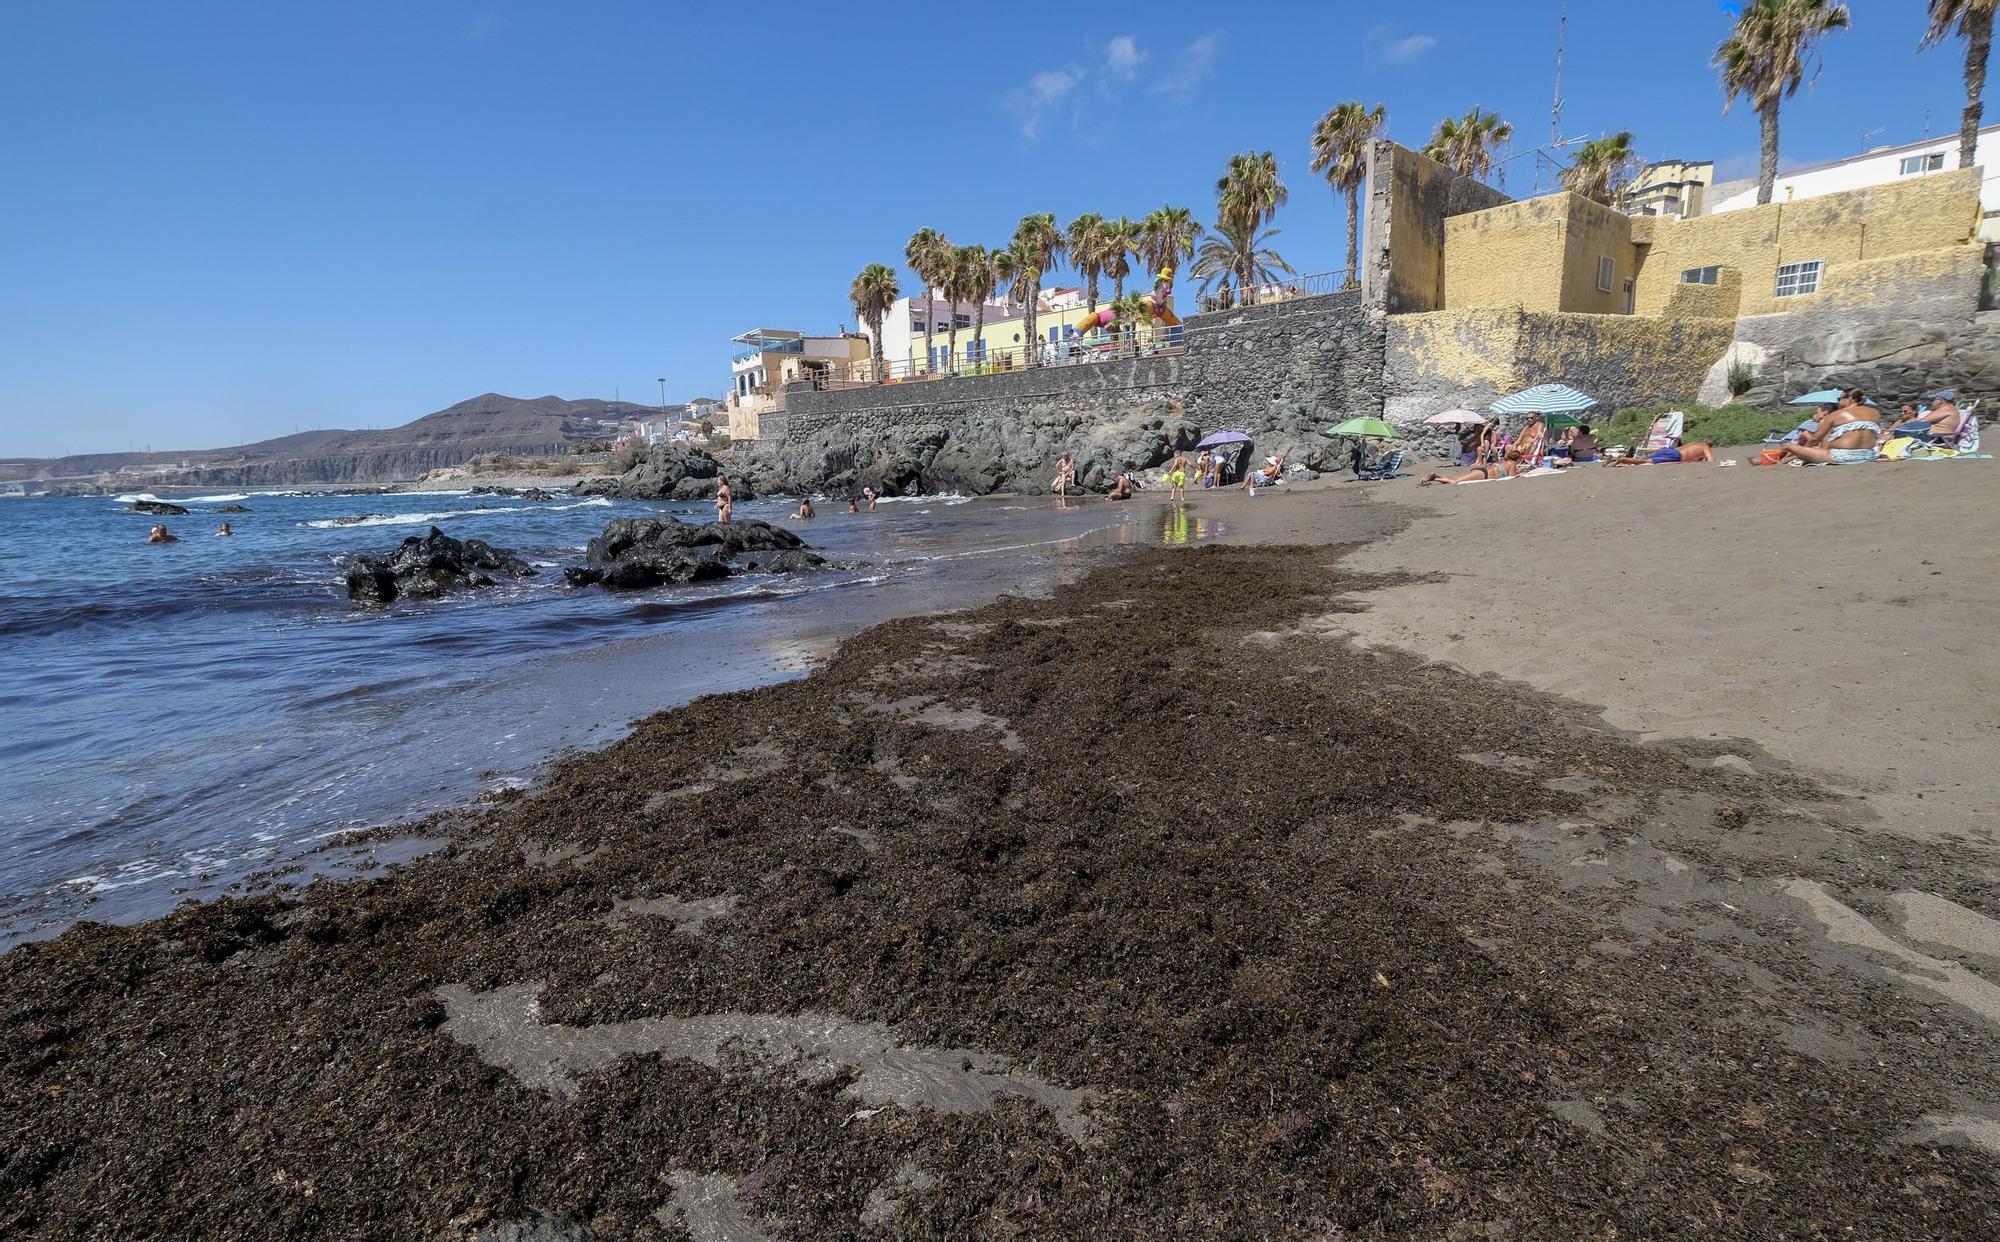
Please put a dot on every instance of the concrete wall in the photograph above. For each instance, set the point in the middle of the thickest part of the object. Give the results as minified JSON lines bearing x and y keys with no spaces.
{"x":1541,"y":255}
{"x":1470,"y":358}
{"x":1882,"y":167}
{"x":1409,"y":200}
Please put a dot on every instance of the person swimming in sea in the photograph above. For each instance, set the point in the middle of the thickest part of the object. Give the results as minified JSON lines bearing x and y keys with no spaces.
{"x":160,"y":534}
{"x":805,"y":510}
{"x":868,"y":494}
{"x":223,"y":531}
{"x":851,"y":506}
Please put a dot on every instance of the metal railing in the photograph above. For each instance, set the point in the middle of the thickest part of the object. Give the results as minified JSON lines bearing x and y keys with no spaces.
{"x":1309,"y":286}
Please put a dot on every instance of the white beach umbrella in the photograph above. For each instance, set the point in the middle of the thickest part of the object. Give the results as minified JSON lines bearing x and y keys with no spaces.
{"x":1455,"y":418}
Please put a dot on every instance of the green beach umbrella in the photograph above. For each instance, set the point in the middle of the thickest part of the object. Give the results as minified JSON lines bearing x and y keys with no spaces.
{"x":1368,"y":428}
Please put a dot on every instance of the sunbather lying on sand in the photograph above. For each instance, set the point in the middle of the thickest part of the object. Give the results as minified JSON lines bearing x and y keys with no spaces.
{"x":1478,"y":474}
{"x":1673,"y":455}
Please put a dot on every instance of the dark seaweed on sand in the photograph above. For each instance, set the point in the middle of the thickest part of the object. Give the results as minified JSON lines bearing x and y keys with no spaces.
{"x":1164,"y":837}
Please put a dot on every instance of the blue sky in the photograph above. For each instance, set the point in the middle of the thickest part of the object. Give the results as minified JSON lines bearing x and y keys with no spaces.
{"x":222,"y":221}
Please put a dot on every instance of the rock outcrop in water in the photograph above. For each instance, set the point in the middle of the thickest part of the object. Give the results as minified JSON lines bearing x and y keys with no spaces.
{"x":158,"y":508}
{"x":233,"y":509}
{"x":635,"y":553}
{"x":670,"y":472}
{"x":427,"y":566}
{"x":975,"y":454}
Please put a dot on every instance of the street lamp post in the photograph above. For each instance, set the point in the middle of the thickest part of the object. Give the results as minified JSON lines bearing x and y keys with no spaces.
{"x":663,"y":396}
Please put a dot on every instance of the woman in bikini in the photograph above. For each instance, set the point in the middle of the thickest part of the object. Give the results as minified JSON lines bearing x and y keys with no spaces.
{"x":1848,"y":434}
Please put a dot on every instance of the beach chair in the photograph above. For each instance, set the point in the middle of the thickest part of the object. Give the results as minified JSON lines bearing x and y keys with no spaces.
{"x":1664,"y":431}
{"x":1390,"y":467}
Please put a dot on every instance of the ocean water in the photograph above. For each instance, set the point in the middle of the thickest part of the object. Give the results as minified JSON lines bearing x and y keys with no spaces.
{"x":182,"y":716}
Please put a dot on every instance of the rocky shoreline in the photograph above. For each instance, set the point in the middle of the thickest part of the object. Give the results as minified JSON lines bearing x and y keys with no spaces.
{"x":1140,"y":911}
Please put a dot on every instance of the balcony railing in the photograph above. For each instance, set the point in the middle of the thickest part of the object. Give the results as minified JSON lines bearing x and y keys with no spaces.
{"x":1309,"y":286}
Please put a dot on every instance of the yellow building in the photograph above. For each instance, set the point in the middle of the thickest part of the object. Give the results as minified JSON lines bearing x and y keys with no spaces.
{"x":1564,"y":253}
{"x":769,"y":358}
{"x":1669,"y":188}
{"x":1002,"y":344}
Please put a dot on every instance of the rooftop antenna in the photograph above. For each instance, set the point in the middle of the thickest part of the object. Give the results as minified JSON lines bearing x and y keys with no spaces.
{"x":1881,"y":128}
{"x":1556,"y":112}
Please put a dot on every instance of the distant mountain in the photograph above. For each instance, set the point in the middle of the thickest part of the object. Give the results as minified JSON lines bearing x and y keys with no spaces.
{"x":537,"y":427}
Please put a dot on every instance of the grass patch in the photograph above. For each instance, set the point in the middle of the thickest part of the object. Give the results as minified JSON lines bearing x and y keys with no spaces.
{"x":1717,"y":424}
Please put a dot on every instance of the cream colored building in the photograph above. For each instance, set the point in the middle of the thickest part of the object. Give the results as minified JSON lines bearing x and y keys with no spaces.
{"x":1675,"y":188}
{"x":766,"y":359}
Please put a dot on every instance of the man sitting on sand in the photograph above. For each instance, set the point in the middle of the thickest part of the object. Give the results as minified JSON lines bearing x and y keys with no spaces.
{"x":1122,"y":489}
{"x":1674,"y":454}
{"x":725,"y":500}
{"x":160,"y":534}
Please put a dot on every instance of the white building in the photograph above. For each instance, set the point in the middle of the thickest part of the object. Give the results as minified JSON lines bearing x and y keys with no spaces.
{"x":904,"y":322}
{"x":1877,"y":167}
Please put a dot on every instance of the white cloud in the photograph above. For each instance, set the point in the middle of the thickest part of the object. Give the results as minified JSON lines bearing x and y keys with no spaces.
{"x":1122,"y":56}
{"x":1389,"y":45}
{"x":1192,"y":65}
{"x":1043,"y":92}
{"x":485,"y":26}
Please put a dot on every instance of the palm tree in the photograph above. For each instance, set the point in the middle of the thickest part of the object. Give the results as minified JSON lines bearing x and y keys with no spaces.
{"x":975,"y":270}
{"x":1465,"y":144}
{"x":1121,"y":238}
{"x":1764,"y":60}
{"x":1340,"y":154}
{"x":1085,"y":251}
{"x":1974,"y":20}
{"x":1601,"y":168}
{"x":1241,"y":254}
{"x":873,"y":292}
{"x":1041,"y":243}
{"x":1167,"y":236}
{"x":927,"y":254}
{"x":1134,"y":310}
{"x":1249,"y":193}
{"x":1012,"y":268}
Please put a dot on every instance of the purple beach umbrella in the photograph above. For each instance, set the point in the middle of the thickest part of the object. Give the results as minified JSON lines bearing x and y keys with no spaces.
{"x":1224,"y":437}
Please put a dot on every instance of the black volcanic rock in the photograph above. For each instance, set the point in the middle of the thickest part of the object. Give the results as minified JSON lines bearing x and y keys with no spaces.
{"x":670,"y":472}
{"x":232,"y":509}
{"x":635,"y":553}
{"x":428,"y":566}
{"x":158,"y":508}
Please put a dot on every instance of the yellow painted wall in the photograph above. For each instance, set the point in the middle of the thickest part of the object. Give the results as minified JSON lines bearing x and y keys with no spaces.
{"x":1720,"y":300}
{"x":1937,"y":212}
{"x":1957,"y":269}
{"x":1610,"y":356}
{"x":1464,"y":348}
{"x":1540,"y":254}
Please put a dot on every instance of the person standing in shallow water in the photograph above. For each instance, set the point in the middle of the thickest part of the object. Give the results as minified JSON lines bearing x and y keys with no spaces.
{"x":725,"y":500}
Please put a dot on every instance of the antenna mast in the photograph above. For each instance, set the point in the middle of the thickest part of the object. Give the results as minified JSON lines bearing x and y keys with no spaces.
{"x":1556,"y":112}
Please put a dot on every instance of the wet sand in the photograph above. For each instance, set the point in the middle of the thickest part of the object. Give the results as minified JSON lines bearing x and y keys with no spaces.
{"x":1189,"y":901}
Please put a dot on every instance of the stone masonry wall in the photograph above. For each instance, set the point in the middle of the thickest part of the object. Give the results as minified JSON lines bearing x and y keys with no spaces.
{"x":1248,"y":368}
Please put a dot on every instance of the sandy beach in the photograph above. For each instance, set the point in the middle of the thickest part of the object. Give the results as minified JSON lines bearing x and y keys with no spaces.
{"x":1595,"y":856}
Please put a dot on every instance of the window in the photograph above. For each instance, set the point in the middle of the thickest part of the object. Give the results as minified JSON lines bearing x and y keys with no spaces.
{"x":918,"y":323}
{"x":1607,"y":271}
{"x":1056,"y":334}
{"x":975,"y":351}
{"x":963,"y":321}
{"x":1702,"y":275}
{"x":1797,"y":278}
{"x":1913,"y":164}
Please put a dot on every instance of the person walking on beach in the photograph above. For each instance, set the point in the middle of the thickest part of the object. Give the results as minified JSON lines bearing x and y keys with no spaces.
{"x":1177,"y":476}
{"x":1065,"y":474}
{"x":725,"y":500}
